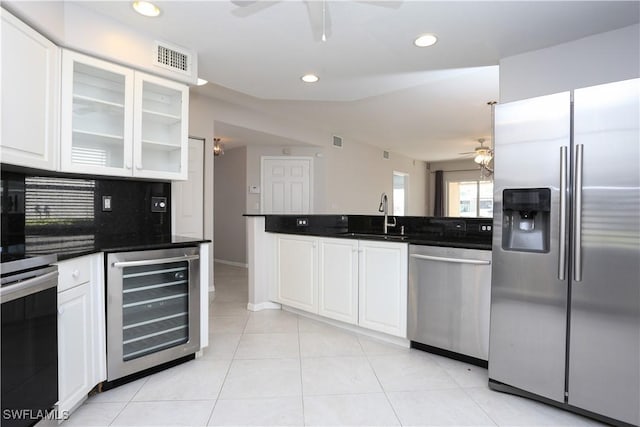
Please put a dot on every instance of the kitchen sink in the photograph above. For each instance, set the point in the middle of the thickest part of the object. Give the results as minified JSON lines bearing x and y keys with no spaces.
{"x":374,"y":236}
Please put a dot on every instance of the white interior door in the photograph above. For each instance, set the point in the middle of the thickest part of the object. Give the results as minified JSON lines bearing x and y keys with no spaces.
{"x":188,"y":196}
{"x":286,"y":185}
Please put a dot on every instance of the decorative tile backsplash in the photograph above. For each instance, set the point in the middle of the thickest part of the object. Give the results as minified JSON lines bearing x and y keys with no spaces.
{"x":39,"y":212}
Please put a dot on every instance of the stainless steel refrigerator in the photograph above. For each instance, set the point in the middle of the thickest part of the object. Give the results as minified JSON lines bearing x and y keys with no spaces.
{"x":565,"y":297}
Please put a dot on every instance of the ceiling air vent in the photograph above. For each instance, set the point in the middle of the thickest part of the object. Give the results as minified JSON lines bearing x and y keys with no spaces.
{"x":171,"y":58}
{"x":337,"y":141}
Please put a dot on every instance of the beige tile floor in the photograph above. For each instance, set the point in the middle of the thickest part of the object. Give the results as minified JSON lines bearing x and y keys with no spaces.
{"x":276,"y":368}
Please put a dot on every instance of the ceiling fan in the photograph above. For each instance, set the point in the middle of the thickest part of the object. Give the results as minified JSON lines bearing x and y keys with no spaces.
{"x":317,"y":10}
{"x":482,"y":156}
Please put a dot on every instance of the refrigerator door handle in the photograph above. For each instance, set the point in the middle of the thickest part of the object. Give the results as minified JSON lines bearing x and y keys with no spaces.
{"x":562,"y":240}
{"x":577,"y":215}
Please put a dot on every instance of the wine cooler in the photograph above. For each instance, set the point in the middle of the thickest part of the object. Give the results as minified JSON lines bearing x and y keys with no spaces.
{"x":153,"y":308}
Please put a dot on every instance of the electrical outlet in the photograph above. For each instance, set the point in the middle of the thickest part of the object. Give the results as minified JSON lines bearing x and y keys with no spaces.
{"x":158,"y":204}
{"x":106,"y":203}
{"x":302,"y":222}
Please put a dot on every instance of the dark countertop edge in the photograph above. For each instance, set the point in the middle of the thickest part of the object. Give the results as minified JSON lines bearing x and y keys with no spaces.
{"x":133,"y":247}
{"x":408,"y":240}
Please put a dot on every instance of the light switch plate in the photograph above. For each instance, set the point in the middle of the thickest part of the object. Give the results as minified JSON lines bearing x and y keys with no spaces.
{"x":106,"y":204}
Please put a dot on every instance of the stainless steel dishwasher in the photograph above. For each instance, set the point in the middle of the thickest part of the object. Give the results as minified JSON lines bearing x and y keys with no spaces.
{"x":449,"y":298}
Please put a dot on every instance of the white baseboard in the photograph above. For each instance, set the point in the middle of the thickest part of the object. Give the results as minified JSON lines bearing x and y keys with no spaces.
{"x":233,"y":263}
{"x":380,"y":336}
{"x":268,"y":305}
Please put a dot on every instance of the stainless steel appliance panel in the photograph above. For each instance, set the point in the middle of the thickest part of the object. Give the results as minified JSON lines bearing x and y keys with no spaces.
{"x":604,"y":364}
{"x":153,"y":308}
{"x":528,"y":292}
{"x":449,"y":297}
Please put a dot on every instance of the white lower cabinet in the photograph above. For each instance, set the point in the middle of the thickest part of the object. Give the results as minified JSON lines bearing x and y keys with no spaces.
{"x":382,"y":285}
{"x":81,"y":333}
{"x":297,"y":271}
{"x":361,"y":282}
{"x":74,"y":346}
{"x":338,"y":279}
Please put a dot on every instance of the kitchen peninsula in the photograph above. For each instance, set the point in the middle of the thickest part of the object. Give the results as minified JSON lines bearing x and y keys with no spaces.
{"x":342,"y":269}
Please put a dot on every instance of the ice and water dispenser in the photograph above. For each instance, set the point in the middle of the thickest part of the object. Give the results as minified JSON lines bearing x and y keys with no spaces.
{"x":526,"y":219}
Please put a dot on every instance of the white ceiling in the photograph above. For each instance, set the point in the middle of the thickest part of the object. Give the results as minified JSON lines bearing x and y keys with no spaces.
{"x":375,"y":86}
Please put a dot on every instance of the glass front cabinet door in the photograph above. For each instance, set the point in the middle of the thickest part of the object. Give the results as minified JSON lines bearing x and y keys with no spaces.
{"x":120,"y":122}
{"x":160,"y":128}
{"x":97,"y":116}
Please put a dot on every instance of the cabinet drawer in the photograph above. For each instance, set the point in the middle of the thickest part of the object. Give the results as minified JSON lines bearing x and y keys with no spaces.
{"x":74,"y":272}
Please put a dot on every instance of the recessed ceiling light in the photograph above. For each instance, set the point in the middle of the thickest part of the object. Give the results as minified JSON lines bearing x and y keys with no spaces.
{"x":426,"y":40}
{"x":310,"y":78}
{"x":146,"y":8}
{"x":202,"y":82}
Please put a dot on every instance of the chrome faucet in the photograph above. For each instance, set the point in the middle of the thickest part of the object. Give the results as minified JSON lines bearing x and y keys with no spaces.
{"x":384,"y":207}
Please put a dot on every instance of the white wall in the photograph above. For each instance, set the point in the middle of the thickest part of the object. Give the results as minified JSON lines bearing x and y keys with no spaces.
{"x":598,"y":59}
{"x":357,"y":174}
{"x":230,"y":183}
{"x":201,"y":126}
{"x":347,"y":180}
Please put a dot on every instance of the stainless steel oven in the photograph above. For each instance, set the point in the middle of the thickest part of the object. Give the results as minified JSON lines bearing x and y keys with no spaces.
{"x":29,"y":340}
{"x":153,"y":308}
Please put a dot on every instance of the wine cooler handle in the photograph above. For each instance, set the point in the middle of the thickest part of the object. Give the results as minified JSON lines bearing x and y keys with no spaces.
{"x":122,"y":264}
{"x":562,"y":238}
{"x":577,"y":215}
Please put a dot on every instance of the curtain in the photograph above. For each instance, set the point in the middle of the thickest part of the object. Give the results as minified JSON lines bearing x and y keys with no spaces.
{"x":438,"y":205}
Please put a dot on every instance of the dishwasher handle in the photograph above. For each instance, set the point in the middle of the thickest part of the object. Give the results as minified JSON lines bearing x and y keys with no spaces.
{"x":452,"y":260}
{"x":122,"y":264}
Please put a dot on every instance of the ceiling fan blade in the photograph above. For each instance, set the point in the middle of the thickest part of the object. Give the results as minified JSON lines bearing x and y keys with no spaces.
{"x":250,"y":7}
{"x":319,"y":19}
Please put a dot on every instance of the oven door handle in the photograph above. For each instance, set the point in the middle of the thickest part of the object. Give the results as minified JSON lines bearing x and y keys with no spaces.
{"x":122,"y":264}
{"x":28,"y":287}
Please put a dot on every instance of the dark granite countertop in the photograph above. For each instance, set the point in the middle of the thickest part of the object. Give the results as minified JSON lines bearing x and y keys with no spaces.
{"x":469,"y":233}
{"x":67,"y":247}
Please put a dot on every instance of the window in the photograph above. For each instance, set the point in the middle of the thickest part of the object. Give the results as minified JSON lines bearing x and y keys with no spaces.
{"x":400,"y":199}
{"x":469,"y":198}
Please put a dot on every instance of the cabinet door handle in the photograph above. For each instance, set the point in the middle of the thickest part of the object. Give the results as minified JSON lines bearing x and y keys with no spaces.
{"x":139,"y":167}
{"x":60,"y":311}
{"x":75,"y":274}
{"x":127,"y":165}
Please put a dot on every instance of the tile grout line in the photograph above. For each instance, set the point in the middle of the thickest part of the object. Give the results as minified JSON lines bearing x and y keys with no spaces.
{"x":304,"y":422}
{"x":366,"y":355}
{"x":224,"y":380}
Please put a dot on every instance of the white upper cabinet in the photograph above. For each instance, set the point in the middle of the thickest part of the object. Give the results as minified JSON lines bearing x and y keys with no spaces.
{"x":161,"y":128}
{"x":97,"y":116}
{"x":119,"y":122}
{"x":30,"y":96}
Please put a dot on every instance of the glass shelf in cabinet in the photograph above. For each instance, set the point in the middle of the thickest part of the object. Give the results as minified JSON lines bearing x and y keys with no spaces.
{"x":162,"y":118}
{"x":98,"y":137}
{"x":83,"y":104}
{"x":160,"y":145}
